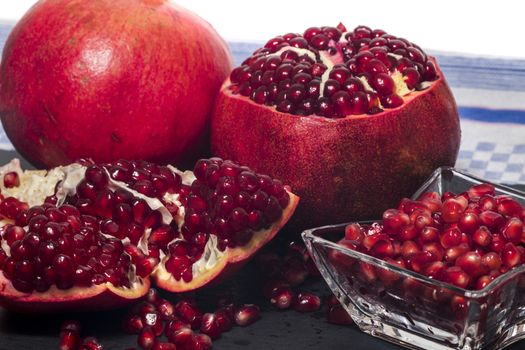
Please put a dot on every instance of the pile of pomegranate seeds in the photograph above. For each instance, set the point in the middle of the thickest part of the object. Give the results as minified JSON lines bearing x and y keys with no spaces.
{"x":465,"y":239}
{"x":163,"y":325}
{"x":333,"y":72}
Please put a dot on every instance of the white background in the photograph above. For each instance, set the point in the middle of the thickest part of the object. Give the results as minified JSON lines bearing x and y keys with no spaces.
{"x":494,"y":28}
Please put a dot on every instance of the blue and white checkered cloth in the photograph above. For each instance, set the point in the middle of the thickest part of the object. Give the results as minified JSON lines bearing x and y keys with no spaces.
{"x":490,"y":93}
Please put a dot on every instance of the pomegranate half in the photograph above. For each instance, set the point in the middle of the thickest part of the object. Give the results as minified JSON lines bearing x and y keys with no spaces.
{"x":111,"y":79}
{"x":89,"y":236}
{"x":342,"y":116}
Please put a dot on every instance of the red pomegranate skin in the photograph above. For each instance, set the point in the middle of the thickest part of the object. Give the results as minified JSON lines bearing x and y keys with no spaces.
{"x":345,"y":169}
{"x":111,"y":79}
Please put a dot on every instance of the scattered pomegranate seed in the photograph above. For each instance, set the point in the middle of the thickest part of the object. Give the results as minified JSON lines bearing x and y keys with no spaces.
{"x":11,"y":180}
{"x":247,"y":314}
{"x":307,"y":302}
{"x":282,"y":297}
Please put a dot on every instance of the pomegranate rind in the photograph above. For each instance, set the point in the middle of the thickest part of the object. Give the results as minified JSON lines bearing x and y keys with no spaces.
{"x":120,"y":84}
{"x":231,"y":261}
{"x":342,"y":168}
{"x":97,"y":297}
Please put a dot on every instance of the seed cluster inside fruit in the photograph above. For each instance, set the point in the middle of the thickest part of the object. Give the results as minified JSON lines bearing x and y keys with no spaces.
{"x":465,"y":239}
{"x":332,"y":72}
{"x":122,"y":219}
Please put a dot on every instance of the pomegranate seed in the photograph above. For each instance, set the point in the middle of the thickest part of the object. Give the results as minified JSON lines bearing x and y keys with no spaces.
{"x":133,"y":324}
{"x":470,"y":262}
{"x":450,"y":237}
{"x":181,"y":337}
{"x":452,"y":209}
{"x":491,"y":219}
{"x":164,"y":346}
{"x":11,"y":180}
{"x":509,"y":207}
{"x":483,"y":281}
{"x":513,"y":230}
{"x":468,"y":222}
{"x":91,"y":343}
{"x":146,"y":338}
{"x":246,"y":315}
{"x":200,"y":342}
{"x":210,"y":326}
{"x":456,"y":276}
{"x":453,"y":253}
{"x":510,"y":255}
{"x":69,"y":335}
{"x":481,"y":190}
{"x":282,"y":297}
{"x":336,"y":314}
{"x":482,"y":237}
{"x":189,"y":313}
{"x":307,"y":302}
{"x":394,"y":221}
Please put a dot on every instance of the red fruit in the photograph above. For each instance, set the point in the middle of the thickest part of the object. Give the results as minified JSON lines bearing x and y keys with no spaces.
{"x":513,"y":230}
{"x":307,"y":302}
{"x":69,"y":336}
{"x":210,"y":326}
{"x":450,"y":237}
{"x":468,"y":223}
{"x":146,"y":338}
{"x":91,"y":343}
{"x":509,"y":207}
{"x":78,"y":257}
{"x":199,"y":342}
{"x":491,"y":219}
{"x":282,"y":298}
{"x":11,"y":179}
{"x":164,"y":346}
{"x":491,"y":260}
{"x":482,"y":237}
{"x":103,"y":63}
{"x":452,"y":210}
{"x":339,"y":126}
{"x":481,"y":190}
{"x":246,"y":314}
{"x":354,"y":232}
{"x":511,"y":256}
{"x":471,"y":263}
{"x":341,"y":259}
{"x":394,"y":221}
{"x":336,"y":314}
{"x":456,"y":276}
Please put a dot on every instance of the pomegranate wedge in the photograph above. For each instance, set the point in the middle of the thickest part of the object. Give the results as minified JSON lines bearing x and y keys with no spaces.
{"x":89,"y":236}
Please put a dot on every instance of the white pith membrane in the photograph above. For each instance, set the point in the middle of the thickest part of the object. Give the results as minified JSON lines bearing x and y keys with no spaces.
{"x":331,"y":57}
{"x":36,"y":186}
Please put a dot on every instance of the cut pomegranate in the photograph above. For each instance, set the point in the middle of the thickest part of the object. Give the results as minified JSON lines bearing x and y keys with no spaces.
{"x":111,"y":226}
{"x":335,"y":103}
{"x":471,"y":239}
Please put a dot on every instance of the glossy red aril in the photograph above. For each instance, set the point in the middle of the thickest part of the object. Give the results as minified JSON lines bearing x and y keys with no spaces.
{"x":105,"y":235}
{"x":330,"y":100}
{"x":470,"y":239}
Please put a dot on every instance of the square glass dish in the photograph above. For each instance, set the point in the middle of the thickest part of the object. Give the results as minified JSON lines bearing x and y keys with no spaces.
{"x":415,"y":311}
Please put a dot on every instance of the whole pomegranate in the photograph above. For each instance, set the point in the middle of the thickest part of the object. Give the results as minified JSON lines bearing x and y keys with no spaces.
{"x":110,"y":79}
{"x":353,"y":120}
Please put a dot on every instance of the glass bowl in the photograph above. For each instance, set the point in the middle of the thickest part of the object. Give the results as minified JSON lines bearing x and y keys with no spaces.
{"x":412,"y":310}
